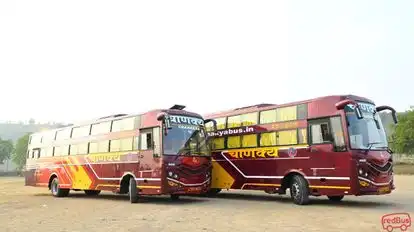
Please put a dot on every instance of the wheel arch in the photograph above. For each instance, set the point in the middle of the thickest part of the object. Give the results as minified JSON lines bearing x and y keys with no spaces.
{"x":51,"y":177}
{"x":124,"y":183}
{"x":289,"y":175}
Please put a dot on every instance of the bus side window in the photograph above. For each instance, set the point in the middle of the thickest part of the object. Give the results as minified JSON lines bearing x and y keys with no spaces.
{"x":320,"y":133}
{"x":146,"y":139}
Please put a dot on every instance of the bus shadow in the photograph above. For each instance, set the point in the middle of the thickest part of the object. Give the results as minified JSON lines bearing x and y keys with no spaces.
{"x":162,"y":200}
{"x":316,"y":201}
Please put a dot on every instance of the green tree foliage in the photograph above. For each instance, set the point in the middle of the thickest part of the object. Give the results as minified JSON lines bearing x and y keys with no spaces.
{"x":403,"y":136}
{"x":19,"y":156}
{"x":6,"y":149}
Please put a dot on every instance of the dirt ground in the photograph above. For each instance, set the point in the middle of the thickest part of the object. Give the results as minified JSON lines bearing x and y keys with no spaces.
{"x":34,"y":209}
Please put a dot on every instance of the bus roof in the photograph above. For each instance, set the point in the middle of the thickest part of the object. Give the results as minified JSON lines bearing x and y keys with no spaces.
{"x":267,"y":106}
{"x":173,"y":110}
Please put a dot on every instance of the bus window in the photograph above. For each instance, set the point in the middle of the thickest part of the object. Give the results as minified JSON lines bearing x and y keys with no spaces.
{"x":286,"y":114}
{"x":233,"y":142}
{"x":338,"y":135}
{"x":101,"y":128}
{"x":234,"y":121}
{"x":268,"y":139}
{"x":146,"y":139}
{"x":249,"y":140}
{"x":320,"y":133}
{"x":249,"y":119}
{"x":268,"y":116}
{"x":82,"y":131}
{"x":302,"y":111}
{"x":123,"y":124}
{"x":218,"y":143}
{"x":287,"y":137}
{"x":221,"y":123}
{"x":302,"y":136}
{"x":100,"y":146}
{"x":63,"y":134}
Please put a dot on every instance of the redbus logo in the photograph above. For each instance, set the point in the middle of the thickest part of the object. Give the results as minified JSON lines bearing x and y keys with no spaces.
{"x":396,"y":220}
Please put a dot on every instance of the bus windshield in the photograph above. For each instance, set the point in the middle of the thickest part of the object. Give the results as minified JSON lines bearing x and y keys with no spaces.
{"x":185,"y":140}
{"x":368,"y":132}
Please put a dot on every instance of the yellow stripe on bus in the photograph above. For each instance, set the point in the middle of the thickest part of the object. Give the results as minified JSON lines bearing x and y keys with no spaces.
{"x":329,"y":187}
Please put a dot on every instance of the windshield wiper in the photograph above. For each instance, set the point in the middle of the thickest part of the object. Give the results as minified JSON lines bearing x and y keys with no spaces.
{"x":370,"y":146}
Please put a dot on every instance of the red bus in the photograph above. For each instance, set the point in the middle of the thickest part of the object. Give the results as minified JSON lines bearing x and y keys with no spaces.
{"x":331,"y":146}
{"x":158,"y":152}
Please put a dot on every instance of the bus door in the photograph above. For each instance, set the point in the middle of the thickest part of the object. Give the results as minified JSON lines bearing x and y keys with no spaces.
{"x":327,"y":146}
{"x":150,"y":151}
{"x":321,"y":147}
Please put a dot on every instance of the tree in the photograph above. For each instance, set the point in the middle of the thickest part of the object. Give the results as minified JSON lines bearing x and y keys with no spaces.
{"x":6,"y":149}
{"x":403,"y":136}
{"x":19,"y":156}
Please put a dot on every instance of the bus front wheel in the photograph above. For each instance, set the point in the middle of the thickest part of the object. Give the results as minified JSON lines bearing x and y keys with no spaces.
{"x":299,"y":190}
{"x":56,"y":190}
{"x":133,"y":193}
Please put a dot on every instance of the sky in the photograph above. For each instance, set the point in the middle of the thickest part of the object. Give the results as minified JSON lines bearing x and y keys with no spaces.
{"x":76,"y":60}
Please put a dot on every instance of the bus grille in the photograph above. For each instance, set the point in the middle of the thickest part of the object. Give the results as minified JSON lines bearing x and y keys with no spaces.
{"x":376,"y":169}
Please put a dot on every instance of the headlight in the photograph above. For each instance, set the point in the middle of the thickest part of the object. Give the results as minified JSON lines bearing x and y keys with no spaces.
{"x":362,"y":172}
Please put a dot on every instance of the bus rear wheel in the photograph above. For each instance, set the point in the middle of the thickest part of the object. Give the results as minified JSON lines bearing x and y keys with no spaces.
{"x":299,"y":190}
{"x":56,"y":191}
{"x":133,"y":192}
{"x":335,"y":198}
{"x":92,"y":192}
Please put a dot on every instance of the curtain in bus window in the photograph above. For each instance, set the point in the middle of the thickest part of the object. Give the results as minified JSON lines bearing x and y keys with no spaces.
{"x":233,"y":142}
{"x":218,"y":143}
{"x":303,"y":138}
{"x":101,"y":128}
{"x":249,"y":119}
{"x":287,"y":137}
{"x":221,"y":123}
{"x":234,"y":121}
{"x":115,"y":145}
{"x":93,"y":147}
{"x":82,"y":149}
{"x":268,"y":116}
{"x":73,"y":149}
{"x":126,"y":144}
{"x":268,"y":139}
{"x":286,"y":114}
{"x":249,"y":140}
{"x":103,"y":146}
{"x":136,"y":143}
{"x":80,"y":131}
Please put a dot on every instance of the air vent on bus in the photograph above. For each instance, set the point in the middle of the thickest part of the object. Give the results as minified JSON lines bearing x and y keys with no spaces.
{"x":113,"y":116}
{"x":177,"y":107}
{"x":255,"y":106}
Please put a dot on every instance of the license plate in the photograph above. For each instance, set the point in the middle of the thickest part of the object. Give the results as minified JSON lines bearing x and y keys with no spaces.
{"x":384,"y":189}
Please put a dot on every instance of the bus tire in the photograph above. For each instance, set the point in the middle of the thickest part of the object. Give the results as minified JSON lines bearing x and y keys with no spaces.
{"x":299,"y":190}
{"x":56,"y":191}
{"x":133,"y":193}
{"x":336,"y":198}
{"x":92,"y":192}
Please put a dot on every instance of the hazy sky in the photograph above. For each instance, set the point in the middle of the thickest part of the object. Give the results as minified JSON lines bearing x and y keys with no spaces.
{"x":75,"y":60}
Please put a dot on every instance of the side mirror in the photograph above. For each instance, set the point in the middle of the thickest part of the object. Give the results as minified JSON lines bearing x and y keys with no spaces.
{"x":393,"y":112}
{"x":213,"y":121}
{"x":161,"y":116}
